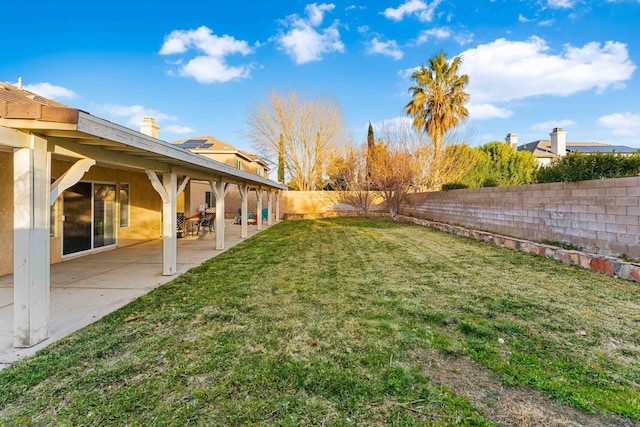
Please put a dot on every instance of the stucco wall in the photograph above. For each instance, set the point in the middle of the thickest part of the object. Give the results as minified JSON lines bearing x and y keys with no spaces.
{"x":145,"y":208}
{"x":6,"y":212}
{"x":599,"y":216}
{"x":145,"y":205}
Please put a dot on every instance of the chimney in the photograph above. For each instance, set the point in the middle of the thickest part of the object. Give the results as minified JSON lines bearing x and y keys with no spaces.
{"x":512,"y":140}
{"x":149,"y":127}
{"x":559,"y":142}
{"x":20,"y":83}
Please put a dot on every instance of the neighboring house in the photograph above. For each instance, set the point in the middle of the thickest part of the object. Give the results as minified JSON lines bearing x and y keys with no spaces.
{"x":546,"y":150}
{"x":72,"y":183}
{"x":215,"y":149}
{"x":199,"y":193}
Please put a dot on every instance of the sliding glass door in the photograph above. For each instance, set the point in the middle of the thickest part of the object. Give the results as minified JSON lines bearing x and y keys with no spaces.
{"x":104,"y":215}
{"x":89,"y":217}
{"x":76,"y":217}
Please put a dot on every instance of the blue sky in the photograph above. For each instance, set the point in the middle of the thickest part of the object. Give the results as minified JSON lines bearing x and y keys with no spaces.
{"x":199,"y":66}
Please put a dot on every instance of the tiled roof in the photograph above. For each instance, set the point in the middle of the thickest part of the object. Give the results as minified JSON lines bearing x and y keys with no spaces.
{"x":16,"y":103}
{"x":10,"y":93}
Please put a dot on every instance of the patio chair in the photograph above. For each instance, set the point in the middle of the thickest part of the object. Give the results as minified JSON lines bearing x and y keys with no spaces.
{"x":207,"y":220}
{"x":181,"y":230}
{"x":265,"y":214}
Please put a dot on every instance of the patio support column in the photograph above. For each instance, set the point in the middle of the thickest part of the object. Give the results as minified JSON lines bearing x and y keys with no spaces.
{"x":269,"y":207}
{"x":259,"y":208}
{"x":31,"y":243}
{"x":168,"y":191}
{"x":277,"y":205}
{"x":219,"y":189}
{"x":244,"y":195}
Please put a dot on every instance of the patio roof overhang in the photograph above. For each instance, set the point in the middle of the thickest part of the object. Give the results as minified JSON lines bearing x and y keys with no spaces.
{"x":36,"y":130}
{"x":74,"y":133}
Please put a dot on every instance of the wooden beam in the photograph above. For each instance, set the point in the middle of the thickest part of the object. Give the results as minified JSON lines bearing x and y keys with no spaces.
{"x":70,"y":178}
{"x":13,"y":138}
{"x":73,"y":149}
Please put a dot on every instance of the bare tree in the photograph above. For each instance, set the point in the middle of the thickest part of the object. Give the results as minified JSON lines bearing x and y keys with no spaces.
{"x":352,"y":181}
{"x":310,"y":129}
{"x":393,"y":166}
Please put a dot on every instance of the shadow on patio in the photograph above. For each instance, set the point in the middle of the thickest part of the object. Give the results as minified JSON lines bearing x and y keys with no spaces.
{"x":86,"y":288}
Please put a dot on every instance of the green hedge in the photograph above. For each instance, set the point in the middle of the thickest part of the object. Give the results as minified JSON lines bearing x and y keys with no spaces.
{"x":583,"y":167}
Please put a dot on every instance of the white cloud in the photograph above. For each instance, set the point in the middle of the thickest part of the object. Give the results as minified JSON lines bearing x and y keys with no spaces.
{"x":439,"y":33}
{"x":463,"y":39}
{"x":303,"y":42}
{"x":443,"y":33}
{"x":389,"y":48}
{"x":487,"y":111}
{"x":209,"y":69}
{"x":561,"y":4}
{"x":622,"y":124}
{"x":506,"y":70}
{"x":134,"y":113}
{"x":316,"y":12}
{"x":422,"y":10}
{"x":522,"y":18}
{"x":212,"y":66}
{"x":550,"y":124}
{"x":50,"y":91}
{"x":546,"y":23}
{"x":181,"y":130}
{"x":407,"y":72}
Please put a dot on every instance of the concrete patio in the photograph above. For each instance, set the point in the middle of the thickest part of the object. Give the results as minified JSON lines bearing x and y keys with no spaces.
{"x":86,"y":288}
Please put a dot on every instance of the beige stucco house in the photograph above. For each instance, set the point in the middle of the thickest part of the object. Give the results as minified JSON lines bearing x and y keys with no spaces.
{"x":547,"y":150}
{"x":72,"y":183}
{"x":200,"y":195}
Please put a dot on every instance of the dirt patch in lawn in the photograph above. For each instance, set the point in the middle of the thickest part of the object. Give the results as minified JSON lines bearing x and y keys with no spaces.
{"x":509,"y":406}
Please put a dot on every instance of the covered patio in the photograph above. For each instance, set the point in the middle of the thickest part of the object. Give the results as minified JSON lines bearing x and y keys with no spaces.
{"x":85,"y":289}
{"x":74,"y":184}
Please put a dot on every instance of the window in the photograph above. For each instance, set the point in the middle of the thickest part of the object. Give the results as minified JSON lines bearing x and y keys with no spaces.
{"x":238,"y":164}
{"x":207,"y":198}
{"x":124,"y":205}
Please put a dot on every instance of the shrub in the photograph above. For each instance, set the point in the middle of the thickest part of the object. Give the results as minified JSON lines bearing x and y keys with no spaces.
{"x":454,"y":186}
{"x":582,"y":167}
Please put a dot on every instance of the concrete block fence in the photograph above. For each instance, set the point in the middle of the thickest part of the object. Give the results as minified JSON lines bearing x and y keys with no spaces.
{"x":601,"y":216}
{"x":599,"y":263}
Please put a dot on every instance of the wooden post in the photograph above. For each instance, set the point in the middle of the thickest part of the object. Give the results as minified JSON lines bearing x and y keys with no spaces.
{"x":168,"y":191}
{"x":219,"y":189}
{"x":31,"y":243}
{"x":259,"y":208}
{"x":170,"y":224}
{"x":244,"y":194}
{"x":269,"y":207}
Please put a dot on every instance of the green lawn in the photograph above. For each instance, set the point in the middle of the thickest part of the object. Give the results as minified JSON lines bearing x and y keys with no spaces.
{"x":349,"y":322}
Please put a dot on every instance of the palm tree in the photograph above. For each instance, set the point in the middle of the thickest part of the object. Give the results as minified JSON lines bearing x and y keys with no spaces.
{"x":439,"y":99}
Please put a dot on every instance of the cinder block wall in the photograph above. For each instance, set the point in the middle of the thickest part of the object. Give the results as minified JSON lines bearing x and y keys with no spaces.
{"x":302,"y":204}
{"x":599,"y":216}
